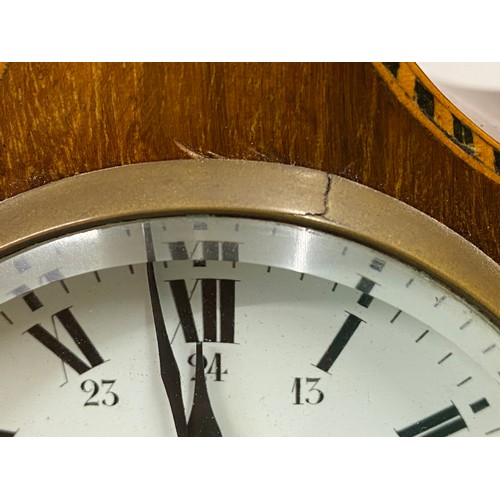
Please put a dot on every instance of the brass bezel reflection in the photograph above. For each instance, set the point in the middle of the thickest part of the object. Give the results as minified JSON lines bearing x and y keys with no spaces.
{"x":261,"y":190}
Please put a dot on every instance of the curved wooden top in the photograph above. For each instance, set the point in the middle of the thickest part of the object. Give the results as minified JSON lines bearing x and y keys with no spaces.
{"x":450,"y":126}
{"x":61,"y":119}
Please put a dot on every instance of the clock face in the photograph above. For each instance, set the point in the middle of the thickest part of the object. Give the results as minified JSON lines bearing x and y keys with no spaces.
{"x":232,"y":326}
{"x":226,"y":298}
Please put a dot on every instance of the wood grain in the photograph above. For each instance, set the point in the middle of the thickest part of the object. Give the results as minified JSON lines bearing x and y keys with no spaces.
{"x":58,"y":120}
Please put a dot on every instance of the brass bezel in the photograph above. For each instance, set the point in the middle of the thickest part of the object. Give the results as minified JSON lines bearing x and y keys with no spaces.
{"x":260,"y":190}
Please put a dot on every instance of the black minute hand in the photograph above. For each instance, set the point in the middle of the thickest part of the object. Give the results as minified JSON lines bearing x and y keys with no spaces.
{"x":202,"y":422}
{"x":168,"y":365}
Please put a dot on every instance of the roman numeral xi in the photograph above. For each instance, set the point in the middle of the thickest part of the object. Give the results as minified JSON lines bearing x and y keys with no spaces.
{"x":88,"y":356}
{"x":443,"y":423}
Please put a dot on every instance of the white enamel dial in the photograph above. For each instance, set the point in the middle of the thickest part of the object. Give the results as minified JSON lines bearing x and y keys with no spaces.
{"x":301,"y":332}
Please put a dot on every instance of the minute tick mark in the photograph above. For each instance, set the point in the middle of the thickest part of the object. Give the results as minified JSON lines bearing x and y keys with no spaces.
{"x":445,"y":358}
{"x":396,"y":316}
{"x":489,"y":348}
{"x":466,"y":324}
{"x":422,"y":336}
{"x":464,"y":381}
{"x":439,"y":301}
{"x":493,"y":431}
{"x":6,"y":317}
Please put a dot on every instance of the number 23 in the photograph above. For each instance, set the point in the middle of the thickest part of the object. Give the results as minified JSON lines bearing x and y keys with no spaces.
{"x":92,"y":387}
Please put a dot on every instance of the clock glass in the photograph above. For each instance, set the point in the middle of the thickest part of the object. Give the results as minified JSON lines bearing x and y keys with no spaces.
{"x":220,"y":325}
